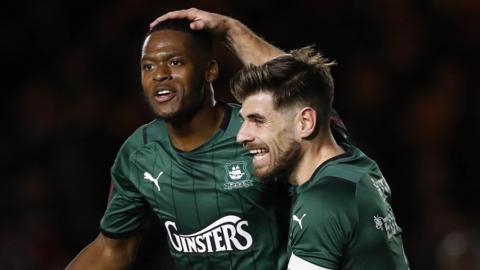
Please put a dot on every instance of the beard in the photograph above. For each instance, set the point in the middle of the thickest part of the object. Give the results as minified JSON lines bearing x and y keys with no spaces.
{"x":282,"y":167}
{"x":186,"y":111}
{"x":188,"y":107}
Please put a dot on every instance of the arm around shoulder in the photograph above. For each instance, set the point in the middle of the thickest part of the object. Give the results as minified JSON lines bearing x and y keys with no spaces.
{"x":107,"y":253}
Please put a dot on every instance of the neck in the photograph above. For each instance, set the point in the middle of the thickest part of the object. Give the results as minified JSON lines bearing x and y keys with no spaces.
{"x":196,"y":131}
{"x":315,"y":152}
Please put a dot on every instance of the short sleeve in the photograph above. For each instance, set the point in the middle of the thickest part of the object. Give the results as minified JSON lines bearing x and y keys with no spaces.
{"x":127,"y":211}
{"x":328,"y":216}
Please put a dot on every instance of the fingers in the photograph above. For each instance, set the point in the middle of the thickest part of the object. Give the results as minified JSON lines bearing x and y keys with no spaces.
{"x":197,"y":25}
{"x":190,"y":14}
{"x":199,"y":20}
{"x":166,"y":16}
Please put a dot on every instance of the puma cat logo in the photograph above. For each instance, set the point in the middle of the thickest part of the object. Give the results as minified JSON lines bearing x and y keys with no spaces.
{"x":299,"y":220}
{"x":149,"y":177}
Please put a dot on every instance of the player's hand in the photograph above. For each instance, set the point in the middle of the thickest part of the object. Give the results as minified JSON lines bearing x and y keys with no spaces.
{"x":200,"y":20}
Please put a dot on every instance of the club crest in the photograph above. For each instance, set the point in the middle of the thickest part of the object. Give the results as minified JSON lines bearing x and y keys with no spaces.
{"x":237,"y":175}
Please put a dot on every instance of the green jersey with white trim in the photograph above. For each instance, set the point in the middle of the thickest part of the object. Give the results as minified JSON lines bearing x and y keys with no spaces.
{"x":216,"y":214}
{"x":342,"y":218}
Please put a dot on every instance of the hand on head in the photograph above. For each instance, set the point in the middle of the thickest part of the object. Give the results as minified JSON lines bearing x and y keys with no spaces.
{"x":200,"y":20}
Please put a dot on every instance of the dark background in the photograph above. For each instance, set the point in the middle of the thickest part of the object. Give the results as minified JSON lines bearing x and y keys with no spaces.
{"x":406,"y":86}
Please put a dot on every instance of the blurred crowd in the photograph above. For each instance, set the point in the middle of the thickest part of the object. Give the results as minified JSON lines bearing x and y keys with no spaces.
{"x":406,"y":87}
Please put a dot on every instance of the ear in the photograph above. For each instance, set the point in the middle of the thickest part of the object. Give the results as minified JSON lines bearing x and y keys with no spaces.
{"x":306,"y":122}
{"x":212,"y":71}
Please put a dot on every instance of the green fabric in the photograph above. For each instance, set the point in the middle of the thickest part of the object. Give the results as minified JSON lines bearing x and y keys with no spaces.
{"x":346,"y":218}
{"x":217,"y":216}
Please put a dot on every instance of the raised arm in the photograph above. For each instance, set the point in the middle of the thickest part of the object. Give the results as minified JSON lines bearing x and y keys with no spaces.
{"x":245,"y":44}
{"x":106,"y":253}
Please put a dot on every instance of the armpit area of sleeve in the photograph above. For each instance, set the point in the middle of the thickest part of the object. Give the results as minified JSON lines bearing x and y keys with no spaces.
{"x":117,"y":235}
{"x":122,"y":228}
{"x":124,"y":217}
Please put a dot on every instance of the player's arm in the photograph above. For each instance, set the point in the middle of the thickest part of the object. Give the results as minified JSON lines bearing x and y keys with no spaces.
{"x":245,"y":44}
{"x":107,"y":253}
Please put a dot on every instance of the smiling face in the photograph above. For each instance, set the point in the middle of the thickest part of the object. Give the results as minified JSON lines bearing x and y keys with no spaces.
{"x":175,"y":74}
{"x":269,"y":135}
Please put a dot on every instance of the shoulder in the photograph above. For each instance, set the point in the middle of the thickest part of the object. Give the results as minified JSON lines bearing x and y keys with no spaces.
{"x":232,"y":115}
{"x":330,"y":192}
{"x":234,"y":109}
{"x":141,"y":137}
{"x":234,"y":106}
{"x":136,"y":139}
{"x":352,"y":166}
{"x":336,"y":184}
{"x":353,"y":181}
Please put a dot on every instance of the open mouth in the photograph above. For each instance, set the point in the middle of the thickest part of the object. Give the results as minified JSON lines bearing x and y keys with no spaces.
{"x":163,"y":95}
{"x":259,"y":154}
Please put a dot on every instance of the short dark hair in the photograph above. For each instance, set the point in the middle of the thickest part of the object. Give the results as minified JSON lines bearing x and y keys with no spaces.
{"x":201,"y":38}
{"x":299,"y":78}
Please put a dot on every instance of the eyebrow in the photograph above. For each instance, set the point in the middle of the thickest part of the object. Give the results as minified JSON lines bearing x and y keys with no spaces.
{"x":167,"y":55}
{"x":253,"y":116}
{"x":256,"y":115}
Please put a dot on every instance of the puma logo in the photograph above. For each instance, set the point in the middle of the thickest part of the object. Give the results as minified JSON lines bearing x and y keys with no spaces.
{"x":299,"y":220}
{"x":149,"y":177}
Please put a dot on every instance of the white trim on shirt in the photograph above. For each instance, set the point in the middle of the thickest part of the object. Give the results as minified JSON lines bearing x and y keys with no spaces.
{"x":297,"y":263}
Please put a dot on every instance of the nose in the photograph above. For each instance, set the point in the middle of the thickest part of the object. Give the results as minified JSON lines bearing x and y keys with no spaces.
{"x":244,"y":135}
{"x":162,"y":73}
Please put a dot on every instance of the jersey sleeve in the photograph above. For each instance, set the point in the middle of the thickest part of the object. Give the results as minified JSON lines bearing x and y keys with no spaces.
{"x":329,"y":220}
{"x":127,"y":211}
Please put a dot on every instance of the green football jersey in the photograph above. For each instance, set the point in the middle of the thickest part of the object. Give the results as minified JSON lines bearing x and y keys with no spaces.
{"x":215,"y":213}
{"x":342,"y":218}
